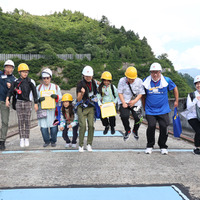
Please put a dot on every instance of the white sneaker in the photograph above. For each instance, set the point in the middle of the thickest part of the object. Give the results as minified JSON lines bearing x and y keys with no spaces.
{"x":22,"y":142}
{"x":164,"y":151}
{"x":26,"y":142}
{"x":81,"y":149}
{"x":148,"y":150}
{"x":89,"y":148}
{"x":68,"y":145}
{"x":73,"y":145}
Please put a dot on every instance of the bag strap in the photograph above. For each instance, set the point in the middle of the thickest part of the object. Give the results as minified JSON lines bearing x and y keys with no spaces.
{"x":112,"y":88}
{"x":192,"y":96}
{"x":131,"y":89}
{"x":175,"y":111}
{"x":39,"y":87}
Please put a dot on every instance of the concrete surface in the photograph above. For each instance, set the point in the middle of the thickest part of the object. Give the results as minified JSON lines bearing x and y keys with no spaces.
{"x":124,"y":163}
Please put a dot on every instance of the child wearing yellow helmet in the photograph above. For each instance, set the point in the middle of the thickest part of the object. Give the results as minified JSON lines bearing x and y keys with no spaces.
{"x":24,"y":92}
{"x":69,"y":119}
{"x":107,"y":93}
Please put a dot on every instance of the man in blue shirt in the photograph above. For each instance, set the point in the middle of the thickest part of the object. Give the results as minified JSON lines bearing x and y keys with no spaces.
{"x":157,"y":107}
{"x":6,"y":78}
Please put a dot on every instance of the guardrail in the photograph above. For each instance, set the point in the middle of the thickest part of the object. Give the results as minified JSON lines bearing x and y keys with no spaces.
{"x":5,"y":57}
{"x":14,"y":121}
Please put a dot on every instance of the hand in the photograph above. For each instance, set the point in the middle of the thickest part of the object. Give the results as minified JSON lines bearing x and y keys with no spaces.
{"x":125,"y":105}
{"x":98,"y":82}
{"x":61,"y":128}
{"x":54,"y":96}
{"x":175,"y":104}
{"x":8,"y":85}
{"x":131,"y":103}
{"x":69,"y":126}
{"x":82,"y":91}
{"x":198,"y":98}
{"x":7,"y":103}
{"x":41,"y":99}
{"x":36,"y":107}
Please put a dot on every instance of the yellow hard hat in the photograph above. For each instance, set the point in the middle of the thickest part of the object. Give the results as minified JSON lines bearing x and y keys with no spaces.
{"x":67,"y":97}
{"x":131,"y":72}
{"x":23,"y":67}
{"x":106,"y":75}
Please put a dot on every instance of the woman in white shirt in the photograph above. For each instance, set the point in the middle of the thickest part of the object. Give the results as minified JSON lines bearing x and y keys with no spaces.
{"x":48,"y":122}
{"x":193,"y":100}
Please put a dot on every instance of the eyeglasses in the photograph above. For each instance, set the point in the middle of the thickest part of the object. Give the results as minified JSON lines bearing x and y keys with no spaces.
{"x":46,"y":78}
{"x":155,"y":72}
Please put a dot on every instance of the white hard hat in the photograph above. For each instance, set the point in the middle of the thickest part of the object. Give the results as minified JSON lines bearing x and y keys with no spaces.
{"x":46,"y":73}
{"x":9,"y":62}
{"x":88,"y":71}
{"x":197,"y":79}
{"x":155,"y":67}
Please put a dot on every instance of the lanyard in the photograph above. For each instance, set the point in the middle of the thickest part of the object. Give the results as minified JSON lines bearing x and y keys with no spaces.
{"x":155,"y":83}
{"x":108,"y":88}
{"x":45,"y":87}
{"x":19,"y":84}
{"x":88,"y":88}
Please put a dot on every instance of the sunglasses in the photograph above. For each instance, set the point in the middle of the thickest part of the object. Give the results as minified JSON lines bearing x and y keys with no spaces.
{"x":46,"y":78}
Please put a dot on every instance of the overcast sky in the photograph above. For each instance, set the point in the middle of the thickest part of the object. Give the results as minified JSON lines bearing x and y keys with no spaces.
{"x":171,"y":26}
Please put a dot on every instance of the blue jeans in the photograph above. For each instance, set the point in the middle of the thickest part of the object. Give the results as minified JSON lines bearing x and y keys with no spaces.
{"x":53,"y":134}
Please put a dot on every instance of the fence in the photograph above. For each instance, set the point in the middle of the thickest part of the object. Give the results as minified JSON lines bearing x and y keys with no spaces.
{"x":4,"y":57}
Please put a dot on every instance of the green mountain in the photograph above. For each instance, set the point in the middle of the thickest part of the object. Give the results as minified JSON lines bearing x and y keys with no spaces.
{"x":111,"y":48}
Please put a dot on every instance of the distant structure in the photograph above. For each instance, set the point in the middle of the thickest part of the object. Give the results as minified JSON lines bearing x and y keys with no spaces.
{"x":4,"y":57}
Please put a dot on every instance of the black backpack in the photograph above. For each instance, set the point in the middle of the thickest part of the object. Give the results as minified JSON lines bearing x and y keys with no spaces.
{"x":192,"y":96}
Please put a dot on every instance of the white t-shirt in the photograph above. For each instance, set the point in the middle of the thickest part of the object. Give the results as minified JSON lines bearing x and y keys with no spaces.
{"x":136,"y":86}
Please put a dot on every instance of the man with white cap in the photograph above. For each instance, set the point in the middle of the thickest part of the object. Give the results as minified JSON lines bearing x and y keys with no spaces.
{"x":48,"y":122}
{"x":156,"y":106}
{"x":6,"y":78}
{"x":86,"y":91}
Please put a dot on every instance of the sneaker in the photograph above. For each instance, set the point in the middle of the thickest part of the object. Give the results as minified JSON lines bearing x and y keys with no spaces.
{"x":135,"y":134}
{"x":148,"y":150}
{"x":46,"y":144}
{"x":196,"y":151}
{"x":127,"y":135}
{"x":164,"y":151}
{"x":67,"y":145}
{"x":112,"y":130}
{"x":53,"y":144}
{"x":26,"y":142}
{"x":89,"y":148}
{"x":2,"y":145}
{"x":22,"y":142}
{"x":81,"y":149}
{"x":73,"y":145}
{"x":106,"y":130}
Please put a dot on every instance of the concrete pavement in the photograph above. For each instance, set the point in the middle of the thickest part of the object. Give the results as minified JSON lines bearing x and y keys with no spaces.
{"x":113,"y":162}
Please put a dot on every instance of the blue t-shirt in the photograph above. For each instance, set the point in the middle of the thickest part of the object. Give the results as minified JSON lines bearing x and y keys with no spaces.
{"x":157,"y":98}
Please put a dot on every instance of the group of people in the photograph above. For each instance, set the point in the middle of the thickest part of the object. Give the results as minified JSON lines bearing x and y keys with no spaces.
{"x":131,"y":95}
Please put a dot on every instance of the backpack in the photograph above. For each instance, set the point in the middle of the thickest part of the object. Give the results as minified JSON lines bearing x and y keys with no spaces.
{"x":192,"y":96}
{"x":113,"y":92}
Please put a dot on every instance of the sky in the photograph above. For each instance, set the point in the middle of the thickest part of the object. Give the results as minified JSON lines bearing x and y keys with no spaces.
{"x":170,"y":26}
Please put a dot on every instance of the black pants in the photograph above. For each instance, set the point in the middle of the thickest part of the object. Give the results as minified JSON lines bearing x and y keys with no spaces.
{"x":125,"y":114}
{"x":195,"y":124}
{"x":75,"y":134}
{"x":163,"y":121}
{"x":109,"y":121}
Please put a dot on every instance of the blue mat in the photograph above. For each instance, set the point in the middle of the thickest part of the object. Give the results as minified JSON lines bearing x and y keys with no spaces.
{"x":96,"y":133}
{"x":91,"y":193}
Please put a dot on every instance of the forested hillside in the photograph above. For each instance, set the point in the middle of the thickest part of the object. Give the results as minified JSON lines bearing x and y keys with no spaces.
{"x":111,"y":48}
